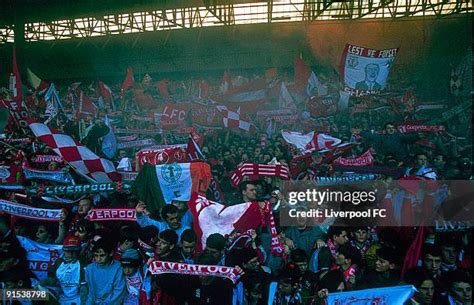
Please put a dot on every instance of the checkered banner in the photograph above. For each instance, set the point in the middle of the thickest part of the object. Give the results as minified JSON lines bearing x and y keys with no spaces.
{"x":231,"y":119}
{"x":81,"y":158}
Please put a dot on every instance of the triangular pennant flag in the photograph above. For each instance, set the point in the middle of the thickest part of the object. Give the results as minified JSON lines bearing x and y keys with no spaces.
{"x":109,"y":142}
{"x":105,"y":92}
{"x":53,"y":103}
{"x":314,"y":83}
{"x":33,"y":80}
{"x":302,"y":73}
{"x":129,"y":80}
{"x":285,"y":100}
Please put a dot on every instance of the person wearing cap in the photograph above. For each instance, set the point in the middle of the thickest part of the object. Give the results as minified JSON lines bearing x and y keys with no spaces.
{"x":137,"y":282}
{"x":68,"y":272}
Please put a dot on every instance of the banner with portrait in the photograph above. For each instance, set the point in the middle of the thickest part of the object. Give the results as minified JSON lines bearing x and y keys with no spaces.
{"x":365,"y":71}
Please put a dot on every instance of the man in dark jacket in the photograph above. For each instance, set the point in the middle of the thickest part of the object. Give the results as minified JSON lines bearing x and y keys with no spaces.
{"x":389,"y":142}
{"x":386,"y":271}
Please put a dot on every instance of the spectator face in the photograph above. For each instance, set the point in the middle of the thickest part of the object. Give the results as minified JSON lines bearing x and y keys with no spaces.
{"x":303,"y":266}
{"x":70,"y":255}
{"x":274,"y":197}
{"x":162,"y":246}
{"x":250,"y":193}
{"x":421,"y":160}
{"x":129,"y":270}
{"x":287,"y":287}
{"x":267,"y":158}
{"x":341,"y":239}
{"x":245,"y":157}
{"x":449,"y":254}
{"x":127,"y":244}
{"x":101,"y":257}
{"x":361,"y":236}
{"x":173,"y":221}
{"x":341,"y":261}
{"x":216,"y":253}
{"x":188,"y":248}
{"x":84,"y":207}
{"x":463,"y":291}
{"x":390,"y":129}
{"x":438,"y":161}
{"x":52,"y":166}
{"x":81,"y":232}
{"x":425,"y":292}
{"x":382,"y":265}
{"x":42,"y":235}
{"x":432,"y":263}
{"x":253,"y":264}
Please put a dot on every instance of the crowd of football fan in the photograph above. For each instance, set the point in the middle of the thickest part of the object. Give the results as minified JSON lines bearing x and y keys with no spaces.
{"x":106,"y":262}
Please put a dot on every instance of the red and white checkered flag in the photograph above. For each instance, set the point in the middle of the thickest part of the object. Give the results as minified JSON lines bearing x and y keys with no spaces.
{"x":231,"y":119}
{"x":81,"y":158}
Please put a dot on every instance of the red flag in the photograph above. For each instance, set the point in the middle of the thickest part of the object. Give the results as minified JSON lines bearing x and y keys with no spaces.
{"x":128,"y":82}
{"x":162,"y":86}
{"x":302,"y":74}
{"x":85,"y":105}
{"x":193,"y":150}
{"x":199,"y":138}
{"x":16,"y":85}
{"x":414,"y":252}
{"x":105,"y":92}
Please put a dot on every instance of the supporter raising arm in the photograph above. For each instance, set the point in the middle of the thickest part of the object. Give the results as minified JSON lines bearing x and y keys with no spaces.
{"x":169,"y":214}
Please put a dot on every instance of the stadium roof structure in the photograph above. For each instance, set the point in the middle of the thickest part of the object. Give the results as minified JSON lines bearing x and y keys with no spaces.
{"x":80,"y":39}
{"x":50,"y":10}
